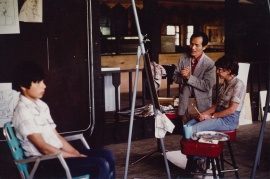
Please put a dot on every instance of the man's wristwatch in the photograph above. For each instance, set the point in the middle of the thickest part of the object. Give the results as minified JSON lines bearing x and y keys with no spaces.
{"x":213,"y":116}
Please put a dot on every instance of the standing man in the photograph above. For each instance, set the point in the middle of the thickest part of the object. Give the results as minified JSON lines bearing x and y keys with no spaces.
{"x":195,"y":76}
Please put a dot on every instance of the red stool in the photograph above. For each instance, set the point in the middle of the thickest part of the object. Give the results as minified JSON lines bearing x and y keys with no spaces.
{"x":232,"y":134}
{"x":211,"y":151}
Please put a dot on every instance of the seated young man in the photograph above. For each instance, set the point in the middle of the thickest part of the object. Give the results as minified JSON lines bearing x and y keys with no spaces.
{"x":37,"y":132}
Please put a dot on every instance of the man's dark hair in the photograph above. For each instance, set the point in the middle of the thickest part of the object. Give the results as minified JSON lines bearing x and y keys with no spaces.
{"x":26,"y":73}
{"x":228,"y":62}
{"x":200,"y":34}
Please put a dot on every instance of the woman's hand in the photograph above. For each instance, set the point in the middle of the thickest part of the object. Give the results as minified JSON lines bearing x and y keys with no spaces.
{"x":203,"y":117}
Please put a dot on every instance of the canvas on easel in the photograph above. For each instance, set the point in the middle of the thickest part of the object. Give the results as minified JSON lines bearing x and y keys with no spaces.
{"x":261,"y":106}
{"x":245,"y":115}
{"x":153,"y":93}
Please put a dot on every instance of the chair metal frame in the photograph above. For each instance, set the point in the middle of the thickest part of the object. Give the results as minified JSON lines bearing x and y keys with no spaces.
{"x":22,"y":162}
{"x":232,"y":163}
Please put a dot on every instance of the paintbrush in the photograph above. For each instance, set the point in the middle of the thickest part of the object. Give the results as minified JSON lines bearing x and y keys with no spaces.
{"x":196,"y":109}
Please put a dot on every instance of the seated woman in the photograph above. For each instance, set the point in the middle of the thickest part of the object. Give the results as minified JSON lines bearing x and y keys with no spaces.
{"x":37,"y":132}
{"x":224,"y":114}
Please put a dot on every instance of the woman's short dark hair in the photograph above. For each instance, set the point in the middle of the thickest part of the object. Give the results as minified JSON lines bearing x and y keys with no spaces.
{"x":200,"y":34}
{"x":228,"y":62}
{"x":26,"y":73}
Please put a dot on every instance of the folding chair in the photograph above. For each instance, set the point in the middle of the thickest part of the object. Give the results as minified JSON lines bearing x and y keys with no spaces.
{"x":22,"y":163}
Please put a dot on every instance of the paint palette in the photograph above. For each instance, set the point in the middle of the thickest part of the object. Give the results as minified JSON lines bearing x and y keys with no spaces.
{"x":212,"y":135}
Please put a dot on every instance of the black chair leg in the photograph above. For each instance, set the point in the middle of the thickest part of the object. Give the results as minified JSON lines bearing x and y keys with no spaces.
{"x":207,"y":163}
{"x":233,"y":160}
{"x":222,"y":160}
{"x":213,"y":168}
{"x":190,"y":167}
{"x":220,"y":174}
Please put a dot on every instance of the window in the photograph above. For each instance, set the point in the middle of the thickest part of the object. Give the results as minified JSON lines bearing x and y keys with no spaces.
{"x":170,"y":30}
{"x":104,"y":23}
{"x":190,"y":30}
{"x":105,"y":30}
{"x":174,"y":30}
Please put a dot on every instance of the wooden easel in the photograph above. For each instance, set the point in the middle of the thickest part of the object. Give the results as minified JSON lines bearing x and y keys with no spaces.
{"x":153,"y":93}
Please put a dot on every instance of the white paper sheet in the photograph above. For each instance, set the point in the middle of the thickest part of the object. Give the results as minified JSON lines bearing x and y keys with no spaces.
{"x":177,"y":158}
{"x":31,"y":11}
{"x":8,"y":100}
{"x":10,"y":24}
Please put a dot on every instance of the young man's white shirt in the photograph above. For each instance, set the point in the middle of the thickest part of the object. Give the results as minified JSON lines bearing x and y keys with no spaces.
{"x":34,"y":117}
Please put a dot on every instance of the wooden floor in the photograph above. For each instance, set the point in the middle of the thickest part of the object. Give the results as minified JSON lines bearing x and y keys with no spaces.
{"x":153,"y":167}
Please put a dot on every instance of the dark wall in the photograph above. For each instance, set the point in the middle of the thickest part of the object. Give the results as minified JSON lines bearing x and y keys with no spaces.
{"x":60,"y":46}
